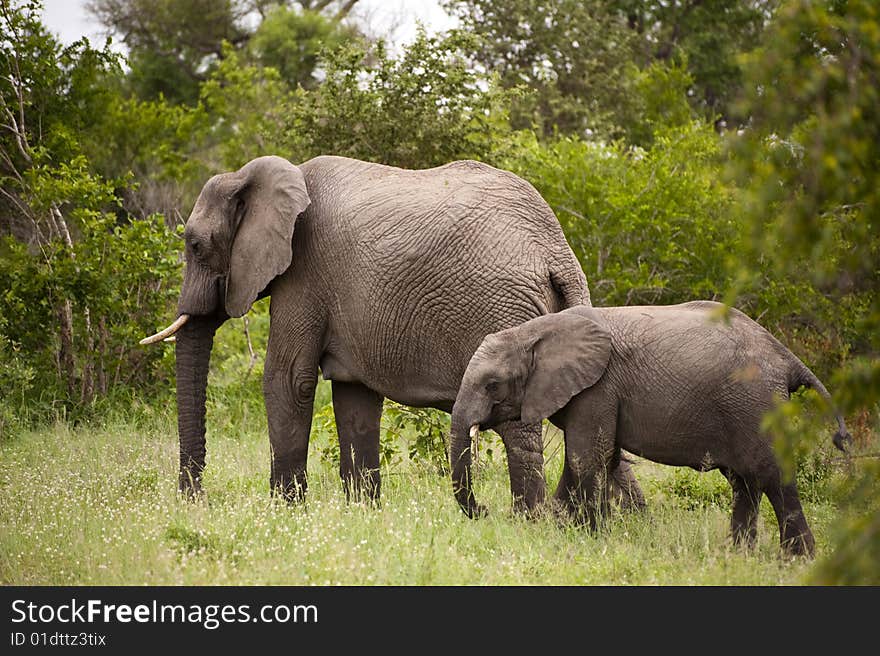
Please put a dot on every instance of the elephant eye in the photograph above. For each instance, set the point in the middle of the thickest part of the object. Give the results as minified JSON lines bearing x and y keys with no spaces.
{"x":196,"y":247}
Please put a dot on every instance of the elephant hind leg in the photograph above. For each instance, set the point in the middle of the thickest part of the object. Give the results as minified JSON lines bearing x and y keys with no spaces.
{"x":358,"y":412}
{"x":624,"y":488}
{"x":744,"y":518}
{"x":795,"y":536}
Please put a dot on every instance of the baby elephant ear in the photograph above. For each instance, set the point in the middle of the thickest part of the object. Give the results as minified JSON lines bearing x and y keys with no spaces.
{"x":272,"y":194}
{"x":570,"y":351}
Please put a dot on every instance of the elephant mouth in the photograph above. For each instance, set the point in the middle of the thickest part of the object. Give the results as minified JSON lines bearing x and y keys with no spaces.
{"x":167,"y":333}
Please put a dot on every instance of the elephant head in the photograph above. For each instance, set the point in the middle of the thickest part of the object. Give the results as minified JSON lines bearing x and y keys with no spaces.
{"x":237,"y":239}
{"x":526,"y":373}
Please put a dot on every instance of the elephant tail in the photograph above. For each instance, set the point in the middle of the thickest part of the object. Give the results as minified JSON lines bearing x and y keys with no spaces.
{"x":570,"y":284}
{"x":801,"y":376}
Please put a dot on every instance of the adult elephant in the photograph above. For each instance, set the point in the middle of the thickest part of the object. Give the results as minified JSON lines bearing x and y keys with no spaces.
{"x":387,"y":279}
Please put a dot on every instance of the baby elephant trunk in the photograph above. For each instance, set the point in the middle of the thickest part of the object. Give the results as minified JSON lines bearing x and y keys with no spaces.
{"x":460,"y":463}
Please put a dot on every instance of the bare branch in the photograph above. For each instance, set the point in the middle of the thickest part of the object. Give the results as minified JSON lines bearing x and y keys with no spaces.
{"x":345,"y":9}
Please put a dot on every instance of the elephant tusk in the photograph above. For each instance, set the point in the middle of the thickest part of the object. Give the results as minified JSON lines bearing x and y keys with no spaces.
{"x":475,"y":430}
{"x":170,"y":330}
{"x":170,"y":339}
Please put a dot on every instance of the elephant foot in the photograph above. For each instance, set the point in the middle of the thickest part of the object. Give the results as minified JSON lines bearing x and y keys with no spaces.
{"x":469,"y":505}
{"x":799,"y":546}
{"x":189,"y":481}
{"x":290,"y":490}
{"x":625,"y":489}
{"x":744,"y":538}
{"x":364,"y":486}
{"x":189,"y":489}
{"x":475,"y":511}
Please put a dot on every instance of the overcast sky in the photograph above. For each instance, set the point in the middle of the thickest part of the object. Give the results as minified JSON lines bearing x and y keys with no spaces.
{"x":70,"y":20}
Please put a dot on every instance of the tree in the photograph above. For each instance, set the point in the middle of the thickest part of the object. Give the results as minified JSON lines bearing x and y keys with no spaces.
{"x":580,"y":58}
{"x":173,"y":46}
{"x":291,"y":42}
{"x":648,"y":226}
{"x":810,"y":165}
{"x":570,"y":55}
{"x":708,"y":35}
{"x":422,"y":109}
{"x":77,"y":283}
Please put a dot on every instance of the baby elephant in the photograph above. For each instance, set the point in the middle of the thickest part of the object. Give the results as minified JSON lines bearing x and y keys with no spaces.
{"x":679,"y":384}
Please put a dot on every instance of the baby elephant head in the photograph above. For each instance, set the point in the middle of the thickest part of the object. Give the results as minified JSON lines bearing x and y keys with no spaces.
{"x":525,"y":373}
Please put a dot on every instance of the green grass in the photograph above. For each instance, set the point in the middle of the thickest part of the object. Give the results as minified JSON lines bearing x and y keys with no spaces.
{"x":97,"y":504}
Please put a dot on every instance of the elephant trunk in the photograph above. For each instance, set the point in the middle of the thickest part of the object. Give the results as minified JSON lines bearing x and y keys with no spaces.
{"x":193,"y":354}
{"x":460,"y":461}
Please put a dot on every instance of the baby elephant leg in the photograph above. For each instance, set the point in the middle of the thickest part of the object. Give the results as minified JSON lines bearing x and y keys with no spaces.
{"x":624,"y":487}
{"x":590,"y":452}
{"x":525,"y":460}
{"x":795,"y":536}
{"x":744,"y":518}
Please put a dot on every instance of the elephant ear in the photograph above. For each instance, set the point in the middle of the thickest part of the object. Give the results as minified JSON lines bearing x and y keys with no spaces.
{"x":570,"y":351}
{"x":271,"y":196}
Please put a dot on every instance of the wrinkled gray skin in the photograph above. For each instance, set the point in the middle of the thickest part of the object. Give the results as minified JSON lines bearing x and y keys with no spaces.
{"x":386,"y":279}
{"x":675,"y":384}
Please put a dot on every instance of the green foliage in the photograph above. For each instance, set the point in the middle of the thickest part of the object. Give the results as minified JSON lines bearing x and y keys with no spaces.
{"x":692,"y":490}
{"x":430,"y":428}
{"x":80,"y":281}
{"x":152,"y":140}
{"x":422,"y":109}
{"x":251,"y":108}
{"x":660,"y":101}
{"x":420,"y":432}
{"x":172,"y":45}
{"x":118,"y":274}
{"x":418,"y":110}
{"x":570,"y":56}
{"x":648,"y":226}
{"x":17,"y":378}
{"x":856,"y":535}
{"x":709,"y":35}
{"x":291,"y":42}
{"x":580,"y":58}
{"x":810,"y":169}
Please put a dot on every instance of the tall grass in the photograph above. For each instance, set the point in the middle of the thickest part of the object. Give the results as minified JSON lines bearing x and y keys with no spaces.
{"x":96,"y":504}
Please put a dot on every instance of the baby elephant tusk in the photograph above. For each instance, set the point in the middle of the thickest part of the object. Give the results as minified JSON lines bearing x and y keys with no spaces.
{"x":170,"y":330}
{"x":475,"y":430}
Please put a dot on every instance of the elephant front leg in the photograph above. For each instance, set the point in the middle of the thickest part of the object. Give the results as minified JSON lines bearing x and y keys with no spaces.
{"x":587,"y":482}
{"x":358,"y":412}
{"x":289,"y":392}
{"x":525,"y":460}
{"x":591,"y":458}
